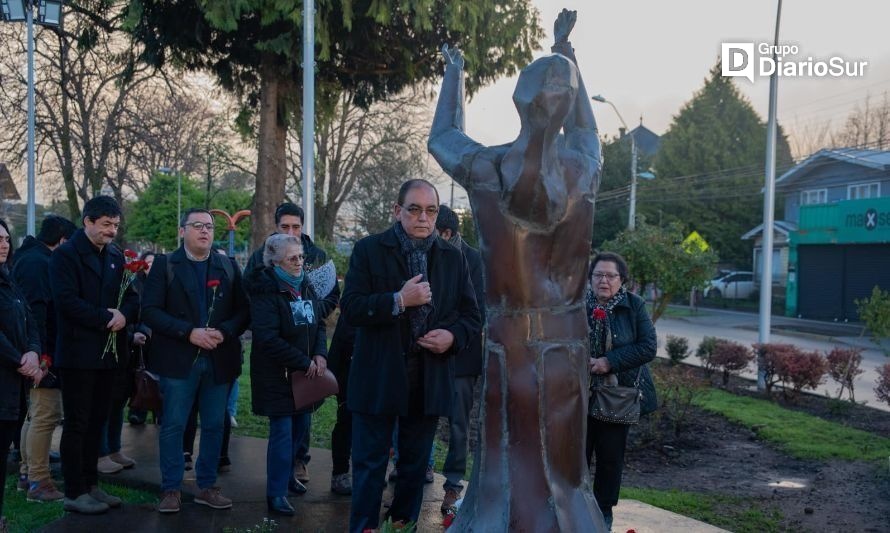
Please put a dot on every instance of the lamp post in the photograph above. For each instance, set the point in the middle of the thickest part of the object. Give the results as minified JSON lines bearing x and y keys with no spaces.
{"x":632,"y":216}
{"x":49,"y":13}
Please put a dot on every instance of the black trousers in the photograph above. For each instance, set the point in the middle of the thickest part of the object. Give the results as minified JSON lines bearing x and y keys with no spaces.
{"x":607,"y":441}
{"x":86,"y":400}
{"x":8,"y":428}
{"x":341,"y":435}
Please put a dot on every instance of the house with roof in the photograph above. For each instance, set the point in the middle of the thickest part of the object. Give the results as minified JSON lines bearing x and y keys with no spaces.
{"x":833,"y":242}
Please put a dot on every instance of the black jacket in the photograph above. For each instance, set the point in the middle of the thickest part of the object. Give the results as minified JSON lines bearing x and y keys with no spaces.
{"x":634,"y":344}
{"x":279,"y":346}
{"x":469,"y":361}
{"x":340,"y":353}
{"x":85,"y":284}
{"x":18,"y":336}
{"x":170,"y":309}
{"x":31,"y":275}
{"x":313,"y":256}
{"x":378,"y":378}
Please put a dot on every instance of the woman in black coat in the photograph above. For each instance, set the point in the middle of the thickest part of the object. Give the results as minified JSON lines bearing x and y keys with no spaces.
{"x":288,"y":336}
{"x":19,"y":346}
{"x":622,"y":342}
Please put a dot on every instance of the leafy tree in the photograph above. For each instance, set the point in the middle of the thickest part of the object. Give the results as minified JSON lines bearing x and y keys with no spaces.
{"x":371,"y":49}
{"x":656,"y":256}
{"x":710,"y":169}
{"x":468,"y":229}
{"x":875,"y":312}
{"x":153,"y":219}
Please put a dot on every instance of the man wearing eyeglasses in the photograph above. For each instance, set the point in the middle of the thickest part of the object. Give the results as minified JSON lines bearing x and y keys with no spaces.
{"x":196,"y":308}
{"x":409,"y":296}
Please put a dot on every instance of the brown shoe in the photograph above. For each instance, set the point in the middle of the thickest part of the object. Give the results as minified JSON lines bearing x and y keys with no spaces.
{"x":44,"y":491}
{"x":301,"y":472}
{"x":212,"y":498}
{"x":171,"y":502}
{"x":451,"y":496}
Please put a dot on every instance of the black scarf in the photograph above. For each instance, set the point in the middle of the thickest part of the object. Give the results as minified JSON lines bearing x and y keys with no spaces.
{"x":599,"y":320}
{"x":416,"y":252}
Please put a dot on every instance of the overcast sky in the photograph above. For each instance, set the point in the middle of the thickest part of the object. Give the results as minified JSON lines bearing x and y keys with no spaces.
{"x":649,"y":57}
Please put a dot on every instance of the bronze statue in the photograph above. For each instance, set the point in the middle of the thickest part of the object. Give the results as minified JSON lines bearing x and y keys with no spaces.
{"x":533,"y":202}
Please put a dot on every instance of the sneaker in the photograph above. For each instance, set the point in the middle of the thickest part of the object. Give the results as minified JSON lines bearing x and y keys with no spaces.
{"x":428,"y":477}
{"x":212,"y":498}
{"x":22,"y":484}
{"x":102,"y":496}
{"x":44,"y":491}
{"x":301,"y":472}
{"x":225,"y":465}
{"x":451,"y":496}
{"x":85,"y":504}
{"x":341,"y":484}
{"x":393,"y":475}
{"x":171,"y":502}
{"x":122,"y":460}
{"x":107,"y":466}
{"x":188,"y":461}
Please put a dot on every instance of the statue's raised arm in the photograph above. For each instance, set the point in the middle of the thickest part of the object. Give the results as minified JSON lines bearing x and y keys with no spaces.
{"x":448,"y":143}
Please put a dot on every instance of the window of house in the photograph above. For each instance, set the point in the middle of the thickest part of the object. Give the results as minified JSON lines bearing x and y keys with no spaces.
{"x":814,"y":196}
{"x":863,"y":190}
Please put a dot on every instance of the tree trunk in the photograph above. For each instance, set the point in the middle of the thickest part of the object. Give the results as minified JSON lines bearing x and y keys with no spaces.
{"x":271,"y":157}
{"x":67,"y":161}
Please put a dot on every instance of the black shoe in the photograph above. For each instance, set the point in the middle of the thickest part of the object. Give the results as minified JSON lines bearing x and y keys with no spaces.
{"x":295,"y":487}
{"x":280,"y":505}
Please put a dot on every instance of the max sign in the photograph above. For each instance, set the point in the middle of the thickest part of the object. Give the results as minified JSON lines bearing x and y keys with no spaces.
{"x":869,"y":220}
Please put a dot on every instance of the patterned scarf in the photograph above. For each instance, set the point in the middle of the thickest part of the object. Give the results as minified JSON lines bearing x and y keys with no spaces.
{"x":600,"y":330}
{"x":416,"y":254}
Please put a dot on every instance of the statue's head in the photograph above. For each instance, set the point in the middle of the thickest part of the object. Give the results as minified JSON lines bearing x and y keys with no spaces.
{"x":546,"y":91}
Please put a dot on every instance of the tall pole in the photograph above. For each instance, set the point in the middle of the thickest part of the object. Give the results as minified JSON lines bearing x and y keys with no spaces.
{"x":766,"y":249}
{"x":32,"y":208}
{"x":309,"y":116}
{"x":632,"y":216}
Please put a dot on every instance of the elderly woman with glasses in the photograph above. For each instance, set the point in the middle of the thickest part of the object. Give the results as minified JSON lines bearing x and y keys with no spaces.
{"x":288,"y":337}
{"x":622,"y":342}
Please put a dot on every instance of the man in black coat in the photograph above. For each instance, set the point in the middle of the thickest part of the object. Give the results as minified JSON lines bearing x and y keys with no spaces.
{"x":196,"y":307}
{"x":31,"y":275}
{"x":467,"y":365}
{"x":289,"y":219}
{"x":409,"y":296}
{"x":85,"y":275}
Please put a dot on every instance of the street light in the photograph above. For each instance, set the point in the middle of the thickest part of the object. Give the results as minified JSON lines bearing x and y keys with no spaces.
{"x":631,"y":218}
{"x":49,"y":13}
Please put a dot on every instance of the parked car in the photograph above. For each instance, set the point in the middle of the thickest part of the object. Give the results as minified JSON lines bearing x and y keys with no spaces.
{"x":734,"y":286}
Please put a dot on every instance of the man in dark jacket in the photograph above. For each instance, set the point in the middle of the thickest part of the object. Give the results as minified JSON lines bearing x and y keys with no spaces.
{"x":31,"y":275}
{"x":409,"y":296}
{"x":289,"y":220}
{"x":467,"y":365}
{"x":195,"y":305}
{"x":85,"y":275}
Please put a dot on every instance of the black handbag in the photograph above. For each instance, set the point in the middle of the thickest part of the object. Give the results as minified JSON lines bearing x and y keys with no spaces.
{"x":146,"y":389}
{"x":615,"y":403}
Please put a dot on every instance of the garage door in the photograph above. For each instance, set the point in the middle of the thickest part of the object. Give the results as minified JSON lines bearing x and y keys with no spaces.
{"x":832,"y":278}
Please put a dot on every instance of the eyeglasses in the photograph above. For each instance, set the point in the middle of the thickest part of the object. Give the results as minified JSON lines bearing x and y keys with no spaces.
{"x":611,"y":276}
{"x":201,"y":225}
{"x":295,"y":259}
{"x":416,"y":210}
{"x":5,"y":238}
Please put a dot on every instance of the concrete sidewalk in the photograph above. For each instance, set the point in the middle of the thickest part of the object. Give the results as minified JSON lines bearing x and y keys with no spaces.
{"x":318,"y":510}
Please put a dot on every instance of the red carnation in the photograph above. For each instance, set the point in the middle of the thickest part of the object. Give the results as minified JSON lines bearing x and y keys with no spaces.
{"x":46,"y":361}
{"x":136,"y":266}
{"x":213,"y":283}
{"x":599,"y":313}
{"x":131,"y":254}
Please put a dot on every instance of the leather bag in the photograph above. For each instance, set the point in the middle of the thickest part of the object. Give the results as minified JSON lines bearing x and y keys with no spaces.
{"x":615,"y":403}
{"x":308,"y":392}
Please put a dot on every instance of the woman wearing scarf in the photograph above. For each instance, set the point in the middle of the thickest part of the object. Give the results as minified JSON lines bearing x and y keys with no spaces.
{"x":287,"y":337}
{"x":622,"y":341}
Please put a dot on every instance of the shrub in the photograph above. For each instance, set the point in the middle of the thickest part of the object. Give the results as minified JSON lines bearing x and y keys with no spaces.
{"x":843,"y":367}
{"x":875,"y":312}
{"x":802,"y":370}
{"x":677,"y":389}
{"x":731,"y":357}
{"x":773,"y":360}
{"x":677,"y":348}
{"x":705,"y":351}
{"x":882,"y":391}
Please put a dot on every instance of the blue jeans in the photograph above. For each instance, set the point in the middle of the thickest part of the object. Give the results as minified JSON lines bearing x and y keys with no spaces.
{"x":279,"y":455}
{"x":179,"y":396}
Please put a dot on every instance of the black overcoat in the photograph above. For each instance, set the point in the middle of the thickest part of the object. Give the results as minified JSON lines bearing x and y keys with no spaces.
{"x":18,"y":335}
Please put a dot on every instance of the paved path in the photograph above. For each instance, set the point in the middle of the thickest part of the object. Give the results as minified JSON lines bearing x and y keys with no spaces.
{"x":807,"y":334}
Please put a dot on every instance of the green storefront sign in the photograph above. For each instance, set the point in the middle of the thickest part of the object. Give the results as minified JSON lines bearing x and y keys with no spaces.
{"x":847,"y":222}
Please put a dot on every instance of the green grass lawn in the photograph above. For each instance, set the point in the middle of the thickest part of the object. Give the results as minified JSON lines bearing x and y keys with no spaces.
{"x":25,"y":516}
{"x":798,"y":434}
{"x":740,"y":515}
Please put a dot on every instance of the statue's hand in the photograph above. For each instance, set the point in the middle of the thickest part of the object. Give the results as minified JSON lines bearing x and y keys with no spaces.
{"x":565,"y":21}
{"x":453,"y":56}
